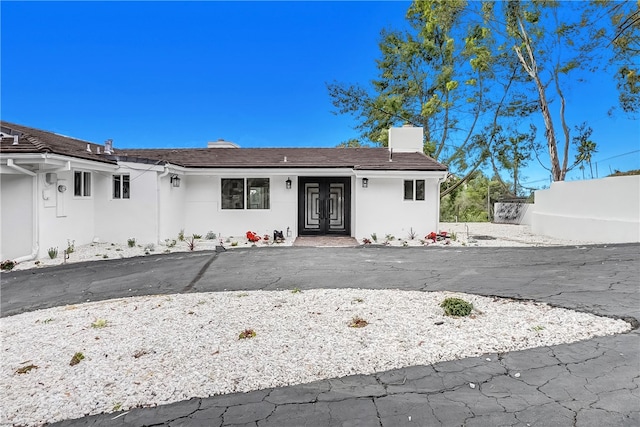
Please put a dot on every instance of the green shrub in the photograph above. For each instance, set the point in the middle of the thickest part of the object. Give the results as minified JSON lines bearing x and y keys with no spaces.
{"x":53,"y":253}
{"x":456,"y":307}
{"x":7,"y":265}
{"x":131,"y":242}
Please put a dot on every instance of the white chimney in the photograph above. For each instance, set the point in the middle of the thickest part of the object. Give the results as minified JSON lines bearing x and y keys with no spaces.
{"x":108,"y":146}
{"x":407,"y":139}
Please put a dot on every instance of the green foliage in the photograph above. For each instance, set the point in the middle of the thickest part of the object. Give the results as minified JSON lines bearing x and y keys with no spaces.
{"x":468,"y":202}
{"x":456,"y":307}
{"x":77,"y":358}
{"x":170,"y":243}
{"x":374,"y":237}
{"x":358,"y":322}
{"x":181,"y":235}
{"x":197,"y":236}
{"x":7,"y":265}
{"x":26,"y":369}
{"x":53,"y":253}
{"x":99,"y":323}
{"x":210,"y":235}
{"x":131,"y":242}
{"x":71,"y":247}
{"x":247,"y":333}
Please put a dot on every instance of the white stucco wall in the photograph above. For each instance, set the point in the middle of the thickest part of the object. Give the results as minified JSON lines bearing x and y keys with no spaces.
{"x":16,"y":216}
{"x":172,"y":207}
{"x":601,"y":210}
{"x":380,"y":209}
{"x":75,"y":222}
{"x":203,"y":212}
{"x":118,"y":220}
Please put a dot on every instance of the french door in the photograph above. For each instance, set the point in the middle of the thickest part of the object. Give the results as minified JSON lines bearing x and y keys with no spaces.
{"x":324,"y":206}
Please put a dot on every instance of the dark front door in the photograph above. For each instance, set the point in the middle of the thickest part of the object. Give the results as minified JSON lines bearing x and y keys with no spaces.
{"x":324,"y":206}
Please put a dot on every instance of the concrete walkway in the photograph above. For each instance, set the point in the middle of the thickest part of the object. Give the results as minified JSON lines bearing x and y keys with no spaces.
{"x":590,"y":383}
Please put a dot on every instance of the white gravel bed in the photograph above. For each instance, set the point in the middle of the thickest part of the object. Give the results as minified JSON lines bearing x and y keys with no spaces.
{"x":464,"y":234}
{"x":153,"y":350}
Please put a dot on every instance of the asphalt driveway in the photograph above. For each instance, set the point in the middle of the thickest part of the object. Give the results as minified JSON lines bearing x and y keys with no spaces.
{"x":595,"y":382}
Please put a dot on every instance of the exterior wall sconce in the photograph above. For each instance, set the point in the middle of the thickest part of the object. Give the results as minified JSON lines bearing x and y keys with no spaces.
{"x":175,"y":181}
{"x":365,"y":182}
{"x":62,"y":188}
{"x":288,"y":183}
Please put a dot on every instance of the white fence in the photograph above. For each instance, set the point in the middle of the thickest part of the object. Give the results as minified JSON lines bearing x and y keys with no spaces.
{"x":601,"y":210}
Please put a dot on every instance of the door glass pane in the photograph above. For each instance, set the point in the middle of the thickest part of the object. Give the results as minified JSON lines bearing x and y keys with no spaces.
{"x":335,"y":206}
{"x":420,"y":189}
{"x":312,"y":206}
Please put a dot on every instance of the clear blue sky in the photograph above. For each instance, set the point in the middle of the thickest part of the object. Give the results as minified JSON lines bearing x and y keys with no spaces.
{"x":165,"y":74}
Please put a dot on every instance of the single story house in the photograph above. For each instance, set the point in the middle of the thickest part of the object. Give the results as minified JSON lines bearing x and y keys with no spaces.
{"x":56,"y":188}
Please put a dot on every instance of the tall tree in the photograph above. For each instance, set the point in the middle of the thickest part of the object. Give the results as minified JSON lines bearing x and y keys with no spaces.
{"x":428,"y":78}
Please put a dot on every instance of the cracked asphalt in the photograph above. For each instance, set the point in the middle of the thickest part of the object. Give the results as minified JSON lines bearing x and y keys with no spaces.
{"x":589,"y":383}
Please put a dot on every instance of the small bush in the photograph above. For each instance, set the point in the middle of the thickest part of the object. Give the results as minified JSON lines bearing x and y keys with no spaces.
{"x":412,"y":234}
{"x":7,"y":265}
{"x":358,"y":322}
{"x":53,"y":253}
{"x":181,"y":235}
{"x":374,"y":237}
{"x":170,"y":243}
{"x":191,"y":243}
{"x":197,"y":236}
{"x":71,"y":246}
{"x":247,"y":333}
{"x":456,"y":307}
{"x":99,"y":323}
{"x":76,"y":359}
{"x":210,"y":235}
{"x":131,"y":242}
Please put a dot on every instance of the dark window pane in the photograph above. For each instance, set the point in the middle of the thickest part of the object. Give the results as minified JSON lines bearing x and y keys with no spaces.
{"x":420,"y":189}
{"x":116,"y":186}
{"x":258,"y":193}
{"x":77,"y":183}
{"x":87,"y":184}
{"x":232,"y":193}
{"x":408,"y":190}
{"x":125,"y":186}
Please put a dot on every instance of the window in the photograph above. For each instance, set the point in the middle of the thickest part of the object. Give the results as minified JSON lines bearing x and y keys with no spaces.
{"x":82,"y":184}
{"x":233,"y":193}
{"x":121,"y":186}
{"x":416,"y":188}
{"x":258,"y":193}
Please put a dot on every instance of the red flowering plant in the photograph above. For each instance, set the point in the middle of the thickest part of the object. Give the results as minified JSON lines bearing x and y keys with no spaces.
{"x":252,"y":237}
{"x":432,"y":236}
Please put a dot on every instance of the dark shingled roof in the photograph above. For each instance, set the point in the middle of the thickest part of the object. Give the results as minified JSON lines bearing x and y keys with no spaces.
{"x":356,"y":158}
{"x":32,"y":140}
{"x":37,"y":141}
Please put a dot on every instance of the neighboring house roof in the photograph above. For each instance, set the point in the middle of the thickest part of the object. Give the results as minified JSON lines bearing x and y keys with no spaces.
{"x":37,"y":141}
{"x":32,"y":140}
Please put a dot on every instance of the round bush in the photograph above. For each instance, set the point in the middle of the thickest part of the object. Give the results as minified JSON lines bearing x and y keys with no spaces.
{"x":456,"y":307}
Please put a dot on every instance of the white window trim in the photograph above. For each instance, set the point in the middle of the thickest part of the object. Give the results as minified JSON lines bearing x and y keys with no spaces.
{"x":121,"y":175}
{"x":83,"y":184}
{"x":244,"y":195}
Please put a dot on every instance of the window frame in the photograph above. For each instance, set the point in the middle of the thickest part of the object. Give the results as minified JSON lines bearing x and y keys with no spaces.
{"x":238,"y":193}
{"x":414,"y":190}
{"x":82,"y":187}
{"x":124,"y":182}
